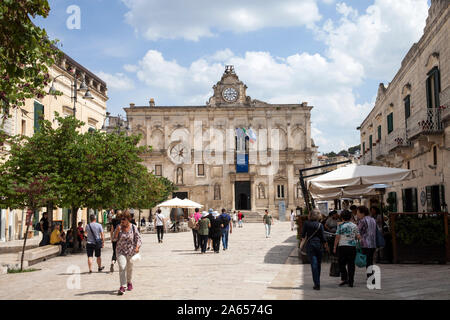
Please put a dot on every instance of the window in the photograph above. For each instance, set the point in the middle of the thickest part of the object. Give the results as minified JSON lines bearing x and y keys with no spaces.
{"x":435,"y":196}
{"x":200,"y":170}
{"x":38,"y":115}
{"x":407,"y":101}
{"x":370,"y":142}
{"x":390,"y":122}
{"x":433,"y":86}
{"x":280,"y":191}
{"x":91,"y":129}
{"x":392,"y":201}
{"x":435,"y":155}
{"x":364,"y":148}
{"x":379,"y":133}
{"x":408,"y":165}
{"x":158,"y":170}
{"x":409,"y":197}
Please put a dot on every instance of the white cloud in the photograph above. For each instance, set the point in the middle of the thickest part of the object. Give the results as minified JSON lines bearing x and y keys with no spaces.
{"x":293,"y":79}
{"x":379,"y":38}
{"x":193,"y":20}
{"x":117,"y":81}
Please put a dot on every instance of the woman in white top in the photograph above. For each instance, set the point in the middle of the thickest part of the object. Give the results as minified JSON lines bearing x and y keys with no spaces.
{"x":292,"y":220}
{"x":234,"y":219}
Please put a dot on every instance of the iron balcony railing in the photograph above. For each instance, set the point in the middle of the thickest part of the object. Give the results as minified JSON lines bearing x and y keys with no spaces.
{"x":397,"y":139}
{"x":424,"y":121}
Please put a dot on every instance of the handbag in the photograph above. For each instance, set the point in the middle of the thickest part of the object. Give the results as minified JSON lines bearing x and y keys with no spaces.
{"x":334,"y":266}
{"x":305,"y":242}
{"x":360,"y":259}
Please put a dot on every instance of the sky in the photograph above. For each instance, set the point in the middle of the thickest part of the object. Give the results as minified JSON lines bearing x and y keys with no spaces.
{"x":330,"y":53}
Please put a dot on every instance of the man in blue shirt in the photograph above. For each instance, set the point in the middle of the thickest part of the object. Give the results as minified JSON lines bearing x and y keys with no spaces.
{"x":226,"y":226}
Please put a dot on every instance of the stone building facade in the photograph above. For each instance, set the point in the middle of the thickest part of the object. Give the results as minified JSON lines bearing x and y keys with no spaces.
{"x":205,"y":152}
{"x":24,"y":121}
{"x":409,"y":124}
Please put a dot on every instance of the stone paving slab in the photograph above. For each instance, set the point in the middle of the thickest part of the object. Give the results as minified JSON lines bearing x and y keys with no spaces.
{"x":253,"y":268}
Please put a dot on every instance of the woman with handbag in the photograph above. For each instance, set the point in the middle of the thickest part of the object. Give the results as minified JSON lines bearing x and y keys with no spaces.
{"x":312,"y":240}
{"x":368,"y":230}
{"x":128,"y":244}
{"x":346,"y":235}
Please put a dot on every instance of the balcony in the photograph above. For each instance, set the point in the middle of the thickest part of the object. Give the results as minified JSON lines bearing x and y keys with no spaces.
{"x":444,"y":98}
{"x":397,"y":139}
{"x":425,"y":121}
{"x":378,"y":150}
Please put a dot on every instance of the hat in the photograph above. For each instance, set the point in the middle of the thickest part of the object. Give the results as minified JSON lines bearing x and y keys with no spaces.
{"x":210,"y":210}
{"x":215,"y":214}
{"x":204,"y":214}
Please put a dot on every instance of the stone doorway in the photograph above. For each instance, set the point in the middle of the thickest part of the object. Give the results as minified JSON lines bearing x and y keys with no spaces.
{"x":242,"y":195}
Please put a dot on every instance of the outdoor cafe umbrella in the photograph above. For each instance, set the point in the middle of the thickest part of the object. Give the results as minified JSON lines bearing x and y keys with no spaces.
{"x":354,"y":175}
{"x":191,"y":204}
{"x":173,"y":203}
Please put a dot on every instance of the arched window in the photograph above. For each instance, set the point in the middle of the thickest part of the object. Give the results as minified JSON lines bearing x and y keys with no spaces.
{"x":180,"y":176}
{"x":261,"y":191}
{"x":217,"y":191}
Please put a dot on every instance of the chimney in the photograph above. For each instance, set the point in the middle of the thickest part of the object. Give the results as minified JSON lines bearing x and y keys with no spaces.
{"x":152,"y":102}
{"x":132,"y":105}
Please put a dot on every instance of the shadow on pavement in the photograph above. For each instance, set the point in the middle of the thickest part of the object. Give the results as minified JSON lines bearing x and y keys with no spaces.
{"x":278,"y":254}
{"x":112,"y":293}
{"x":291,"y":239}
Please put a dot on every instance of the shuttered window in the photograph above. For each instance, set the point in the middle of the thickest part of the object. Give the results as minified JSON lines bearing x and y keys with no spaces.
{"x":38,"y":114}
{"x":409,"y":197}
{"x":379,"y":133}
{"x":390,"y":122}
{"x":433,"y":86}
{"x":407,"y":106}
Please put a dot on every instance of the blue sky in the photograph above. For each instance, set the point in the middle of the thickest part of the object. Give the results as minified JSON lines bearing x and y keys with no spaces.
{"x":330,"y":53}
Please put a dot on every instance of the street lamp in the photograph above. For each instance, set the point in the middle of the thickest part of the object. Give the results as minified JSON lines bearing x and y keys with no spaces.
{"x":74,"y":85}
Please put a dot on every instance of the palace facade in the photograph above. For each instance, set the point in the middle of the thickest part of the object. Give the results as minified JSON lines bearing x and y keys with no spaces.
{"x":234,"y":152}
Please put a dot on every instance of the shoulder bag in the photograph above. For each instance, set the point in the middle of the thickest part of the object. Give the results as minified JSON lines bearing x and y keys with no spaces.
{"x":360,"y":259}
{"x":98,"y":241}
{"x":305,"y":242}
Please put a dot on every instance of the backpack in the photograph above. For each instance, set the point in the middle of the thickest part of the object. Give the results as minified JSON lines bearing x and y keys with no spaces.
{"x":192,"y":223}
{"x":225,"y":220}
{"x":37,"y":226}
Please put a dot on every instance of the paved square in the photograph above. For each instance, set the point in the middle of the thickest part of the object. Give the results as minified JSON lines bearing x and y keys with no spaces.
{"x":253,"y":268}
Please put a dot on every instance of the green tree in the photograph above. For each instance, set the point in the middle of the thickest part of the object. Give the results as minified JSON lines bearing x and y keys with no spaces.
{"x":26,"y":53}
{"x":353,"y":150}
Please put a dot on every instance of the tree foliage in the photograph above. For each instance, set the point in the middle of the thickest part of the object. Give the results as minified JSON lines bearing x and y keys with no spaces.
{"x":26,"y":53}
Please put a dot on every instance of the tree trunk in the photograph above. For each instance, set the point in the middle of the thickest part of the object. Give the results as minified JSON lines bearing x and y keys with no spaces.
{"x":74,"y":228}
{"x":50,"y":212}
{"x":28,"y":222}
{"x":139,"y":222}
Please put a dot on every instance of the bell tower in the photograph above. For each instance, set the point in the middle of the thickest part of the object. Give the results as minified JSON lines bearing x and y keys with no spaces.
{"x":229,"y":91}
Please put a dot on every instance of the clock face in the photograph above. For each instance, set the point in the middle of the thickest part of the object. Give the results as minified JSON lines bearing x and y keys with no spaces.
{"x":230,"y":94}
{"x":178,"y":153}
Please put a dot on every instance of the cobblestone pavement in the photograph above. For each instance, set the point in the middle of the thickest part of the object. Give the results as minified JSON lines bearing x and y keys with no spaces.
{"x":254,"y":267}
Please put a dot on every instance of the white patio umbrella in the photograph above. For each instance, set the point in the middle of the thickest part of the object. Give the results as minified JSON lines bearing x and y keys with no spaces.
{"x":173,"y":203}
{"x":191,"y":204}
{"x":358,"y":175}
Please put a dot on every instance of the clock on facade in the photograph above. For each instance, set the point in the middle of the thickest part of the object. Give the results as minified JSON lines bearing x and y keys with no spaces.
{"x":178,"y":153}
{"x":230,"y":94}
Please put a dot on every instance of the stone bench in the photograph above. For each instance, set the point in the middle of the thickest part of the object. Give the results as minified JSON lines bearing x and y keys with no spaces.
{"x":39,"y":254}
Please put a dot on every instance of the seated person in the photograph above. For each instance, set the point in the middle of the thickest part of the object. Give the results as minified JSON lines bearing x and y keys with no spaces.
{"x":69,"y":239}
{"x":57,"y":238}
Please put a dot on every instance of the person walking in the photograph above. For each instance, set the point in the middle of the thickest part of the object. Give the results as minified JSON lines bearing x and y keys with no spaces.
{"x":292,"y":218}
{"x":216,"y":231}
{"x":313,"y":234}
{"x":160,"y":224}
{"x":193,"y":224}
{"x":234,"y":219}
{"x":114,"y":224}
{"x":347,"y":234}
{"x":44,"y":228}
{"x":203,"y":231}
{"x":240,"y":217}
{"x":367,"y":229}
{"x":128,"y":244}
{"x":211,"y":218}
{"x":268,"y":221}
{"x":226,"y":227}
{"x":95,"y":242}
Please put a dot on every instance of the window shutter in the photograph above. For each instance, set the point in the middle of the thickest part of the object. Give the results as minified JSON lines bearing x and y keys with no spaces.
{"x":442,"y":195}
{"x":429,"y":199}
{"x":437,"y":87}
{"x":407,"y":107}
{"x":370,"y":142}
{"x":414,"y":200}
{"x":404,"y":200}
{"x":390,"y":122}
{"x":379,"y":133}
{"x":38,"y":114}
